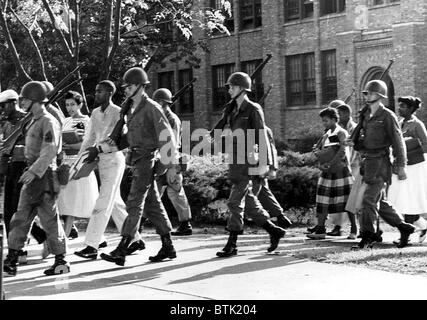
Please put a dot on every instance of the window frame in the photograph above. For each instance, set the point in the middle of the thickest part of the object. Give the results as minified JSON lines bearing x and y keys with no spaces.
{"x":305,"y":97}
{"x":171,"y":84}
{"x":257,"y":84}
{"x":189,"y":94}
{"x":302,"y":13}
{"x":229,"y":21}
{"x":326,"y":83}
{"x":255,"y":18}
{"x":220,"y":94}
{"x":337,"y":5}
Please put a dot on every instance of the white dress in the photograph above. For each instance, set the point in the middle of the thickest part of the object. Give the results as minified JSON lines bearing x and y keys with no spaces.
{"x":78,"y":197}
{"x":409,"y":196}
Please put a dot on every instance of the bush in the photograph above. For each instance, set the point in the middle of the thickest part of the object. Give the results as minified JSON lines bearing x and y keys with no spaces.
{"x":207,"y":186}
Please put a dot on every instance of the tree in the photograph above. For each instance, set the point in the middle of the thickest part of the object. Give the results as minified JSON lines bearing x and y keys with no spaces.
{"x":45,"y":39}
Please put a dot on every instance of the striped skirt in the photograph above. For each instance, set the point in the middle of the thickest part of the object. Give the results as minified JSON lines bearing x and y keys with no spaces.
{"x":333,"y":190}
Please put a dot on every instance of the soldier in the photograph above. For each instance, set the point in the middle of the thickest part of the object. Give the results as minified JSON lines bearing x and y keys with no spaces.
{"x":262,"y":190}
{"x":39,"y":193}
{"x":111,"y":166}
{"x":380,"y":131}
{"x":146,"y":122}
{"x":13,"y":165}
{"x":246,"y":116}
{"x":175,"y":190}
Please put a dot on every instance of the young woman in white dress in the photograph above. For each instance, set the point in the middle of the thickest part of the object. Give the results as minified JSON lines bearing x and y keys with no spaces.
{"x":410,"y":195}
{"x":76,"y":199}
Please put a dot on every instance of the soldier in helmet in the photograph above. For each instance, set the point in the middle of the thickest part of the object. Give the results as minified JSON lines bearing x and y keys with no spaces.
{"x":111,"y":166}
{"x":149,"y":136}
{"x":39,"y":192}
{"x":174,"y":188}
{"x":381,"y":131}
{"x":246,"y":118}
{"x":14,"y":164}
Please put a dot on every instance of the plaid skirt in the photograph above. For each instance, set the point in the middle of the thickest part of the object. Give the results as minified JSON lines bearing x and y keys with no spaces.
{"x":333,"y":190}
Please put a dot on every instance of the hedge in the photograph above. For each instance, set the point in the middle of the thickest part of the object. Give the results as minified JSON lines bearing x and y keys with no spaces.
{"x":207,"y":187}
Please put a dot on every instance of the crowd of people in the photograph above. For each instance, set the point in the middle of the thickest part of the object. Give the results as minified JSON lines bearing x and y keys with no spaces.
{"x":358,"y":170}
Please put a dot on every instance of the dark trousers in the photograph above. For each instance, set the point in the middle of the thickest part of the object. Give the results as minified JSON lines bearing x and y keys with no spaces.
{"x":267,"y":199}
{"x":12,"y":190}
{"x":375,"y":203}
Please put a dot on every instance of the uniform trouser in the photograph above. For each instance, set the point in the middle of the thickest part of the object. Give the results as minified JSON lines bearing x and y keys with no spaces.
{"x":242,"y":198}
{"x":267,"y":199}
{"x":144,"y":197}
{"x":109,"y":203}
{"x":47,"y":211}
{"x":178,"y":198}
{"x":374,"y":203}
{"x":12,"y":189}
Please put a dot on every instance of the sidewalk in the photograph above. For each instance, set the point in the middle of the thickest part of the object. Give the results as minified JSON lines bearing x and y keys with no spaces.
{"x":198,"y":274}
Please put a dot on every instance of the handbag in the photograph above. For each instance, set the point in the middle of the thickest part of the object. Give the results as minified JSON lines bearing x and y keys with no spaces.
{"x":414,"y":151}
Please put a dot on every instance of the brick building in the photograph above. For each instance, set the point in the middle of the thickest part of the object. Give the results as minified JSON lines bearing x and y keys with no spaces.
{"x":321,"y":49}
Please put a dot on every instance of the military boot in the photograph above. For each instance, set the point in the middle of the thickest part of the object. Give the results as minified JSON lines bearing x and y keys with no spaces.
{"x":118,"y":255}
{"x":406,"y":230}
{"x":135,"y":246}
{"x":59,"y":267}
{"x":184,"y":229}
{"x":11,"y":262}
{"x":166,"y":251}
{"x":230,"y":248}
{"x":276,"y":233}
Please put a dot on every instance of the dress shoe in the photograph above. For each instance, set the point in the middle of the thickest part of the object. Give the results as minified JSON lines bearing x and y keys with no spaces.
{"x":103,"y":245}
{"x":336,"y":232}
{"x":74,"y":233}
{"x":87,"y":253}
{"x":318,"y":234}
{"x":135,"y":246}
{"x":166,"y":251}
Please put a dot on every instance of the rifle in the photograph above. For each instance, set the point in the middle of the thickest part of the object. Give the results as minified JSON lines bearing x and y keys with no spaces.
{"x":355,"y":136}
{"x":181,"y":91}
{"x":116,"y":135}
{"x":229,"y":105}
{"x":54,"y":95}
{"x":262,"y":100}
{"x":347,"y":100}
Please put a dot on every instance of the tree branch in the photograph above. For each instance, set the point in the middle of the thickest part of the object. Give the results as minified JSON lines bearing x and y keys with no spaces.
{"x":61,"y":34}
{"x":33,"y":41}
{"x":145,"y":26}
{"x":116,"y":39}
{"x":11,"y":44}
{"x":76,"y":30}
{"x":70,"y":27}
{"x":107,"y":38}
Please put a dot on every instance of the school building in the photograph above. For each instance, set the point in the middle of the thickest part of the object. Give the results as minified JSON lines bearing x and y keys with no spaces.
{"x":322,"y":50}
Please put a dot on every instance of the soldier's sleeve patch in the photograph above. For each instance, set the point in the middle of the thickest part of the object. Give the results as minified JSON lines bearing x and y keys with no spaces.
{"x":48,"y":137}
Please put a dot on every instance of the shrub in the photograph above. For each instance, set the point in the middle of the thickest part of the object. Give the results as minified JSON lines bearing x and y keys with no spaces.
{"x":296,"y":159}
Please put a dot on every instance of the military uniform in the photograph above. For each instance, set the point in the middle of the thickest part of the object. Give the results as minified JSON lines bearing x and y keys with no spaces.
{"x":15,"y":167}
{"x":39,"y":197}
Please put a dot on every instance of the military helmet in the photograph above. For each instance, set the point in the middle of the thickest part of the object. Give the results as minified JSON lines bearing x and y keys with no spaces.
{"x":377,"y":86}
{"x":135,"y":75}
{"x":49,"y":86}
{"x":336,"y":103}
{"x":163,"y":94}
{"x":8,"y":95}
{"x":35,"y":91}
{"x":240,"y":79}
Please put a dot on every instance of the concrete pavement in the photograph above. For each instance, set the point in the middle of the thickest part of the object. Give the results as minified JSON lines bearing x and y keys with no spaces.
{"x":197,"y":274}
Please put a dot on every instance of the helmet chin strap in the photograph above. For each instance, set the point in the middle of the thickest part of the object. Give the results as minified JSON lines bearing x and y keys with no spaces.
{"x":373,"y":101}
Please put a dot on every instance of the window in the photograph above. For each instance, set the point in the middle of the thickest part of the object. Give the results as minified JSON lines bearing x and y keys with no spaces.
{"x":166,"y":80}
{"x":301,"y":80}
{"x":298,"y":9}
{"x":220,"y":75}
{"x":257,"y":85}
{"x":331,"y":6}
{"x":329,"y":76}
{"x":250,"y":14}
{"x":229,"y":21}
{"x":186,"y":101}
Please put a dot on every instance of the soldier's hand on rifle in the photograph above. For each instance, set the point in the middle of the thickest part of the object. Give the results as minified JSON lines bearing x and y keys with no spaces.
{"x":27,"y":177}
{"x":93,"y":153}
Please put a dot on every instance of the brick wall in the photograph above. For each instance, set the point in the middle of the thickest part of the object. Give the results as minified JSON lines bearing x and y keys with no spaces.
{"x":396,"y":31}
